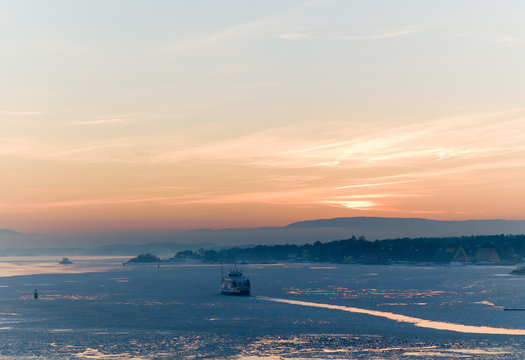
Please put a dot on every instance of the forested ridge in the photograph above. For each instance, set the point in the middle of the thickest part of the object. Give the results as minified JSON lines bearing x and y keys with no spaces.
{"x":488,"y":248}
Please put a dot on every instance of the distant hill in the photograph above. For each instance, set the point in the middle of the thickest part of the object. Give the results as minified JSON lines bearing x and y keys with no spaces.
{"x":406,"y":223}
{"x":381,"y":228}
{"x":372,"y":228}
{"x":324,"y":230}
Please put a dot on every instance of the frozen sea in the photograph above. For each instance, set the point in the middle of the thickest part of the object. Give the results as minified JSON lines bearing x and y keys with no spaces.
{"x":99,"y":309}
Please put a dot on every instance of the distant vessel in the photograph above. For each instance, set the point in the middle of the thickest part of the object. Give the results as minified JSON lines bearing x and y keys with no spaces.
{"x":65,"y":261}
{"x":235,"y":283}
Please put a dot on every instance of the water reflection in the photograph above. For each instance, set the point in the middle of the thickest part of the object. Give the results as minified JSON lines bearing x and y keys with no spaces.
{"x":437,"y":325}
{"x":15,"y":266}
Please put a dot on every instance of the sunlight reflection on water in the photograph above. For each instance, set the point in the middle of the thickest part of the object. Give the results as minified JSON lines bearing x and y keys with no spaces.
{"x":437,"y":325}
{"x":335,"y":347}
{"x":15,"y":266}
{"x":96,"y":354}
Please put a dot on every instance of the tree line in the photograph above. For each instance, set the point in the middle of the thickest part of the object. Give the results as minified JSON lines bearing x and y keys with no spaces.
{"x":509,"y":249}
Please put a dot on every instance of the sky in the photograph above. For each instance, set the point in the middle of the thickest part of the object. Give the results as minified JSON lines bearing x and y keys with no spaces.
{"x":124,"y":115}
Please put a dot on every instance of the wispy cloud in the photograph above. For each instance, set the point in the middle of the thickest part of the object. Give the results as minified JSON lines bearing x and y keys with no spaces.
{"x":374,"y":184}
{"x":378,"y":36}
{"x":499,"y":39}
{"x":35,"y":206}
{"x":233,"y":31}
{"x":269,"y":197}
{"x":298,"y":194}
{"x":391,"y":34}
{"x":34,"y":149}
{"x":383,"y":35}
{"x":4,"y":112}
{"x":340,"y":145}
{"x":98,"y":122}
{"x":356,"y":204}
{"x":455,"y":142}
{"x":337,"y":164}
{"x":221,"y":35}
{"x":293,"y":36}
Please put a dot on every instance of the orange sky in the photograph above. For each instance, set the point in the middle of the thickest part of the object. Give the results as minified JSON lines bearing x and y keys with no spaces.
{"x":259,"y":115}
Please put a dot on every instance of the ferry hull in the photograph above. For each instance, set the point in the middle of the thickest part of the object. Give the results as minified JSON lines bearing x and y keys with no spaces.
{"x":236,"y":293}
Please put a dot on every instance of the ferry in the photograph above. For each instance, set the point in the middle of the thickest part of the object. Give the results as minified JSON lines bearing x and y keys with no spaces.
{"x":65,"y":261}
{"x":235,"y":283}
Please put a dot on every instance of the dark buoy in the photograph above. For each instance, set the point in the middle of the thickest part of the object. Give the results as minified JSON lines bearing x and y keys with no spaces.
{"x":35,"y":293}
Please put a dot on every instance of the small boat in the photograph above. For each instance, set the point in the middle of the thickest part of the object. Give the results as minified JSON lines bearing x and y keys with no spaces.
{"x":65,"y":261}
{"x":235,"y":283}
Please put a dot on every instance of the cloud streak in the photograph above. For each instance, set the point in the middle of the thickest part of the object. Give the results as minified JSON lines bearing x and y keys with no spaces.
{"x":376,"y":184}
{"x":292,"y":36}
{"x":3,"y":112}
{"x":392,"y":34}
{"x":332,"y":164}
{"x":498,"y":39}
{"x":353,"y":204}
{"x":456,"y":142}
{"x":222,"y":35}
{"x":27,"y":148}
{"x":98,"y":122}
{"x":382,"y":35}
{"x":452,"y":141}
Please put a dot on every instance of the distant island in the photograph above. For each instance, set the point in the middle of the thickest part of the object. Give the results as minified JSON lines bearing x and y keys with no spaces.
{"x":145,"y":258}
{"x":488,"y":249}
